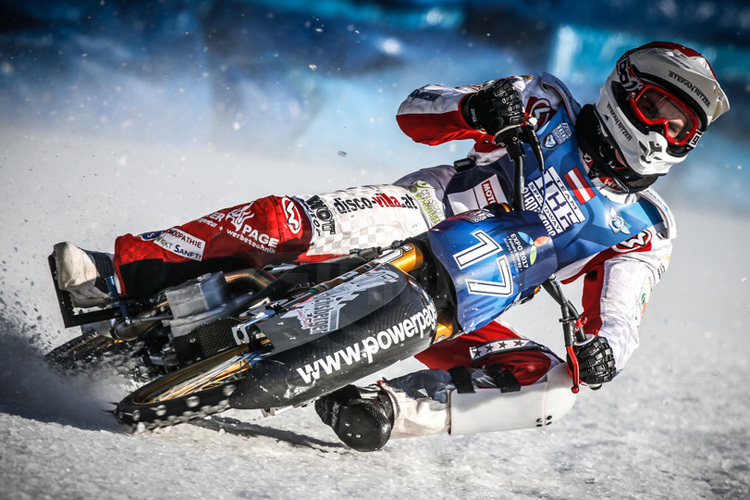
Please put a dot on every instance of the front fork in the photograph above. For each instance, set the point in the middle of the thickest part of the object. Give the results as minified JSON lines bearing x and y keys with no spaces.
{"x":572,"y":325}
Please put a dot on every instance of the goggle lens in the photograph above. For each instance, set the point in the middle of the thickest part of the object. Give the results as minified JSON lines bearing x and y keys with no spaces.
{"x":656,"y":106}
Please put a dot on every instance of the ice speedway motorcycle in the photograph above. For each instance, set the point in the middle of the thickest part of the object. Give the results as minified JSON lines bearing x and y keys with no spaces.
{"x":283,"y":336}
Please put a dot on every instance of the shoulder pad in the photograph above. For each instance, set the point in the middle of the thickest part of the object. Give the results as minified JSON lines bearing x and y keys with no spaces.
{"x":551,"y":82}
{"x":668,"y":228}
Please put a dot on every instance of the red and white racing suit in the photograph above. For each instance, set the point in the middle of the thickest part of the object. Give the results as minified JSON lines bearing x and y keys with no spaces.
{"x":617,"y":282}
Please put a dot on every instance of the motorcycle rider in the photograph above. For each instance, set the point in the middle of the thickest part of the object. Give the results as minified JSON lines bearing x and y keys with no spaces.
{"x":652,"y":110}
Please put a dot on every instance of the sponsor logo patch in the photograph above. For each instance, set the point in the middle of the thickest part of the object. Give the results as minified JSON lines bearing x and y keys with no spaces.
{"x":238,"y":216}
{"x":426,"y":96}
{"x":293,"y":219}
{"x":540,"y":109}
{"x":179,"y":243}
{"x":345,"y":205}
{"x":616,"y":223}
{"x":321,"y":215}
{"x":420,"y":324}
{"x":321,"y":315}
{"x":560,"y":210}
{"x":641,"y":240}
{"x":432,"y":208}
{"x":485,"y":193}
{"x":558,"y":136}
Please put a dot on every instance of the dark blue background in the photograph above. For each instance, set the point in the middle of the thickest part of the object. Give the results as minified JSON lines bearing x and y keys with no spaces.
{"x":251,"y":74}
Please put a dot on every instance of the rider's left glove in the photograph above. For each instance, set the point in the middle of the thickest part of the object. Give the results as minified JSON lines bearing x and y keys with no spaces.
{"x":496,"y":108}
{"x":596,"y":361}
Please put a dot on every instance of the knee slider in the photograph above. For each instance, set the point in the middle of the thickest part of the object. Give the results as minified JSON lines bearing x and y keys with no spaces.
{"x":489,"y":410}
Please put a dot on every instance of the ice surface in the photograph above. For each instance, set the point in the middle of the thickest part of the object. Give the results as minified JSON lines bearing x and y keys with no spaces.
{"x":673,"y":424}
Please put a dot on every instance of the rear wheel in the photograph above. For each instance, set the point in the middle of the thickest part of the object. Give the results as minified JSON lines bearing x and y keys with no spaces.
{"x":130,"y":359}
{"x":90,"y":350}
{"x":195,"y":391}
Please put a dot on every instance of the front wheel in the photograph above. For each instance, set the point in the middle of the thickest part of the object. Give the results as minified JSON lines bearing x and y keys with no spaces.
{"x":195,"y":391}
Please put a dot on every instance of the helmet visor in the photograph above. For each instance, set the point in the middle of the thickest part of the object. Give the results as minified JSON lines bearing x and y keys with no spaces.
{"x":659,"y":108}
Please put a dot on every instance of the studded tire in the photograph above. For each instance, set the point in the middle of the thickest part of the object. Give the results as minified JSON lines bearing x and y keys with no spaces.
{"x":162,"y":403}
{"x":90,"y":351}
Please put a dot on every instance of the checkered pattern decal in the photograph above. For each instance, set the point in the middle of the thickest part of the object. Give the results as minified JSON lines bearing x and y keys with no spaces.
{"x":363,"y":217}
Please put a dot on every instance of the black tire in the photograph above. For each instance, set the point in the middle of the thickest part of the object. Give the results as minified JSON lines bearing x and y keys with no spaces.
{"x":151,"y":406}
{"x":85,"y":351}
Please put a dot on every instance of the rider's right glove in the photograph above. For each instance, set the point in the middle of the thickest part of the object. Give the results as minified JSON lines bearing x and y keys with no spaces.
{"x":496,"y":108}
{"x":596,"y":361}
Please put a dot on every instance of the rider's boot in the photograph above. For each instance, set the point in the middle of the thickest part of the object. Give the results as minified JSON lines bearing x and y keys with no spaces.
{"x":82,"y":274}
{"x":362,"y":417}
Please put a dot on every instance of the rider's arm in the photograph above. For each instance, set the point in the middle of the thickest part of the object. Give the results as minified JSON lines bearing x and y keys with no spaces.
{"x":617,"y":288}
{"x":432,"y":115}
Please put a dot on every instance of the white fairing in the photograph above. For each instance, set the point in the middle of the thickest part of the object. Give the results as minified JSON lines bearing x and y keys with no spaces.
{"x":537,"y":405}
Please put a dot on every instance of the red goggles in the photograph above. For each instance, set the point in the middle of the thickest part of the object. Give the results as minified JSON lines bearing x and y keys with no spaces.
{"x":656,"y":106}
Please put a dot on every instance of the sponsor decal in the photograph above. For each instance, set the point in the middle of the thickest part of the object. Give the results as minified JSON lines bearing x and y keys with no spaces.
{"x":345,"y":205}
{"x":560,"y":211}
{"x":617,"y":223}
{"x":540,"y":109}
{"x":213,"y":219}
{"x":179,"y":243}
{"x":150,"y":236}
{"x":559,"y":135}
{"x":640,"y":241}
{"x":629,"y":81}
{"x":645,"y":293}
{"x":620,"y":126}
{"x":663,"y":265}
{"x":502,"y":346}
{"x":432,"y":208}
{"x":208,"y":222}
{"x":243,"y":231}
{"x":485,"y":193}
{"x":514,"y":243}
{"x":694,"y":140}
{"x":691,"y":87}
{"x":293,"y":219}
{"x":420,"y":324}
{"x":474,"y":216}
{"x":579,"y":186}
{"x":321,"y":215}
{"x":489,"y":192}
{"x":238,"y":216}
{"x":426,"y":96}
{"x":642,"y":294}
{"x":321,"y":314}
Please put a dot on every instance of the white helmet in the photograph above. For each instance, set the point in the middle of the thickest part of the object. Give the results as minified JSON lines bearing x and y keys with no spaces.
{"x":656,"y":104}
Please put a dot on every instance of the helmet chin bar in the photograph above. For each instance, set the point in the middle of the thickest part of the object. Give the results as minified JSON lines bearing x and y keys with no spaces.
{"x":626,"y":178}
{"x":596,"y":142}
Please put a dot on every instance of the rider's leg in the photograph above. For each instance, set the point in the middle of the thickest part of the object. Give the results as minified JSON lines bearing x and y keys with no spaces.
{"x":488,"y":380}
